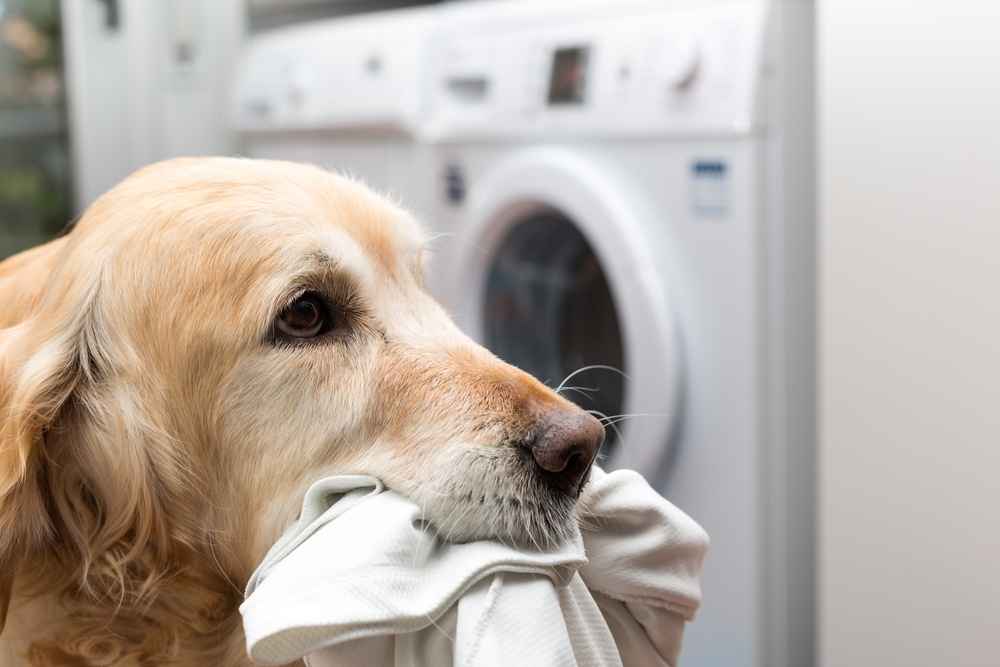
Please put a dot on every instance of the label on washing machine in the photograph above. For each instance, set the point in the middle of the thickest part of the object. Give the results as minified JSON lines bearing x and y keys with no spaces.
{"x":709,"y":189}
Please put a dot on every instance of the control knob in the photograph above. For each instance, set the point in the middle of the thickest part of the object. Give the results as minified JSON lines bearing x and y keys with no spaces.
{"x":680,"y":61}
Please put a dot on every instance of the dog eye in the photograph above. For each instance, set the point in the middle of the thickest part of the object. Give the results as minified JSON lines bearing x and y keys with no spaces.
{"x":306,"y":317}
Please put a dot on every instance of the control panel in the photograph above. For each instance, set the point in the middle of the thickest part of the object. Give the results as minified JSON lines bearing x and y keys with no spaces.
{"x":348,"y":74}
{"x":638,"y":72}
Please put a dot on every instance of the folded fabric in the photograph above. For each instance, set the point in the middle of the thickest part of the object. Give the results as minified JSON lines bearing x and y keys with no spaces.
{"x":361,"y":579}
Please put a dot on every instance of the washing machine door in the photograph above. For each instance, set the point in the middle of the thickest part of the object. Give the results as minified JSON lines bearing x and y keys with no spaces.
{"x":557,"y":277}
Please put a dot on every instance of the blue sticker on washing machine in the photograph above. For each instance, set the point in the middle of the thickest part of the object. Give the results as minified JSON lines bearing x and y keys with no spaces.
{"x":709,"y":189}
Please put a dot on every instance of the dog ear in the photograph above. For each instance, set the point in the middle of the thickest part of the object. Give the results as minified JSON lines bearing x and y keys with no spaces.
{"x":38,"y":371}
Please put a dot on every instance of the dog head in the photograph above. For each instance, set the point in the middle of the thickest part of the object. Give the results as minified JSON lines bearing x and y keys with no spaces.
{"x":212,"y":336}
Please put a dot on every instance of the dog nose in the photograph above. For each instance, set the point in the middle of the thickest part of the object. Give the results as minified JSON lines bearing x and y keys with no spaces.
{"x":566,"y":446}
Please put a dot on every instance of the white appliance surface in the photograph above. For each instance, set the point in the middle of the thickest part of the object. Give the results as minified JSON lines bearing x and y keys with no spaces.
{"x":679,"y":142}
{"x":348,"y":94}
{"x":627,"y":177}
{"x":147,"y":82}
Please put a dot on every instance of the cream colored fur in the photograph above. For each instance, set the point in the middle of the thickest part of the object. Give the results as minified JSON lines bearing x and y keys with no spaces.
{"x":155,"y":441}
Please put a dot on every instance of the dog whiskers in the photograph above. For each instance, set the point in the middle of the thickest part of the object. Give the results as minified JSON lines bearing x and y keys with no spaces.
{"x":592,"y":367}
{"x":584,"y":391}
{"x":603,"y":417}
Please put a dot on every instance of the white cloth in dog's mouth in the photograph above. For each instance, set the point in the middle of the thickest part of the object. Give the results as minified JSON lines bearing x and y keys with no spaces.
{"x":360,"y":579}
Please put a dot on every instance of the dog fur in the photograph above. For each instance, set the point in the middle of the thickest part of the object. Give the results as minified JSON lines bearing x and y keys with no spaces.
{"x":156,"y":438}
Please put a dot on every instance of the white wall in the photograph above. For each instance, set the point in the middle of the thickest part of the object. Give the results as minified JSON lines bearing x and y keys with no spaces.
{"x":909,"y":100}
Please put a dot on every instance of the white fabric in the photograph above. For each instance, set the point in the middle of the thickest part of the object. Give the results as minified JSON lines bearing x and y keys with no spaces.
{"x":360,"y":580}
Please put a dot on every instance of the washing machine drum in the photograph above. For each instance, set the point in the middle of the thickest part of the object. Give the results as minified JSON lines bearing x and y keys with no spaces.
{"x":549,"y":310}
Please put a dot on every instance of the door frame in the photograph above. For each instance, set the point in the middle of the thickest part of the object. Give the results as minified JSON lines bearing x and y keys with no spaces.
{"x":540,"y":179}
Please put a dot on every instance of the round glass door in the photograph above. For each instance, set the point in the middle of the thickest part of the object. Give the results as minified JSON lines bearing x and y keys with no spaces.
{"x":549,"y":310}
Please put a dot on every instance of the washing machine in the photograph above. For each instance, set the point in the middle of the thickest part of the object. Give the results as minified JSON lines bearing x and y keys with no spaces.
{"x":628,"y":190}
{"x":349,"y":94}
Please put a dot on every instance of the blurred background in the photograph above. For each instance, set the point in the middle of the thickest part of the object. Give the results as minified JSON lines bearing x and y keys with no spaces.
{"x":767,"y":230}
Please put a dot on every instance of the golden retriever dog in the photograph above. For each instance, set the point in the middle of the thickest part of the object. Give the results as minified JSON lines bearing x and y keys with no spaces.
{"x":212,"y":336}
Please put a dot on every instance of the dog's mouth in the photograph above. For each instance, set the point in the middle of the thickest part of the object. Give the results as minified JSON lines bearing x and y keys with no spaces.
{"x":499,"y":494}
